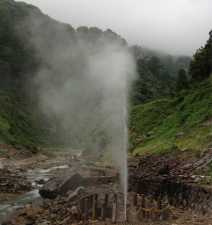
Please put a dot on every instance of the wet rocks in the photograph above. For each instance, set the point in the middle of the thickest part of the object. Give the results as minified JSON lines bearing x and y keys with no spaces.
{"x":40,"y":181}
{"x":60,"y":185}
{"x":12,"y":182}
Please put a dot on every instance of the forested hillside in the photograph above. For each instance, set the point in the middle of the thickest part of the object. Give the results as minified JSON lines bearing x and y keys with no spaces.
{"x":189,"y":111}
{"x":39,"y":56}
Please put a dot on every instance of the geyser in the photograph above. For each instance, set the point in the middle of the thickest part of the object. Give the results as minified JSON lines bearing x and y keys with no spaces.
{"x":84,"y":83}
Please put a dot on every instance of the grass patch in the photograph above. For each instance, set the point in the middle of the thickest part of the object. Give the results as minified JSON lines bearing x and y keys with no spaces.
{"x":187,"y":113}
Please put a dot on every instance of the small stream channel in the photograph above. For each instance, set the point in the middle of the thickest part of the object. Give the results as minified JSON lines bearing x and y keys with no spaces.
{"x":12,"y":203}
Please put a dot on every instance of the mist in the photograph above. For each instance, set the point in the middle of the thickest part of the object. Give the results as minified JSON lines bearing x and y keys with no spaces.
{"x":178,"y":27}
{"x":85,"y":83}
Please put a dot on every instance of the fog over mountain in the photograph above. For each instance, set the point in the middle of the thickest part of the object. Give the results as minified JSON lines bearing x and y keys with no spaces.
{"x":176,"y":27}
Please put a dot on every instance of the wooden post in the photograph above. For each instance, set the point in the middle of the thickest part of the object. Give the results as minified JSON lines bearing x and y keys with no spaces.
{"x":141,"y":213}
{"x":86,"y":209}
{"x":115,"y":198}
{"x":103,"y":211}
{"x":95,"y":197}
{"x":90,"y":201}
{"x":106,"y":199}
{"x":128,"y":212}
{"x":135,"y":199}
{"x":114,"y":213}
{"x":95,"y":210}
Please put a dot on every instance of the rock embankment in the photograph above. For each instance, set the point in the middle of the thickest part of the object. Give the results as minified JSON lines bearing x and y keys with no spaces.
{"x":12,"y":182}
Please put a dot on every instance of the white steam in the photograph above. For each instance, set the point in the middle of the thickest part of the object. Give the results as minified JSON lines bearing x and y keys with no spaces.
{"x":86,"y":84}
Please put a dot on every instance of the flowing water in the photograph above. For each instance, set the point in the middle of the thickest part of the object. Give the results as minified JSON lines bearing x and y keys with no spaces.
{"x":11,"y":203}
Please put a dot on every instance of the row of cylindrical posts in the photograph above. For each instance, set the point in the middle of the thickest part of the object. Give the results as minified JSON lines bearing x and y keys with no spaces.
{"x":89,"y":203}
{"x":145,"y":214}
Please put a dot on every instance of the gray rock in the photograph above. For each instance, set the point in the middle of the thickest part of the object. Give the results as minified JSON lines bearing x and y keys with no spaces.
{"x":74,"y":210}
{"x":174,"y":147}
{"x":150,"y":134}
{"x":40,"y":181}
{"x":57,"y":198}
{"x":97,"y":156}
{"x":73,"y":195}
{"x":179,"y":135}
{"x":25,"y":186}
{"x":196,"y":179}
{"x":60,"y":185}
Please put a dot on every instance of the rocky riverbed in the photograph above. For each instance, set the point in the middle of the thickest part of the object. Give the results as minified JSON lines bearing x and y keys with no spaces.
{"x":19,"y":205}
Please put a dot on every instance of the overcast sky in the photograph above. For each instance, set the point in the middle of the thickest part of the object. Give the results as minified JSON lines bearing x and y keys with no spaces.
{"x":173,"y":26}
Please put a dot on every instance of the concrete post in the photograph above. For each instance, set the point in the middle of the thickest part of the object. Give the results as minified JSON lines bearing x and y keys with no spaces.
{"x":95,"y":197}
{"x":106,"y":199}
{"x":135,"y":199}
{"x":141,"y":213}
{"x":163,"y":212}
{"x":103,"y":211}
{"x":86,"y":209}
{"x":90,"y":201}
{"x":114,"y":213}
{"x":115,"y":198}
{"x":95,"y":210}
{"x":159,"y":203}
{"x":142,"y":200}
{"x":83,"y":204}
{"x":128,"y":212}
{"x":151,"y":198}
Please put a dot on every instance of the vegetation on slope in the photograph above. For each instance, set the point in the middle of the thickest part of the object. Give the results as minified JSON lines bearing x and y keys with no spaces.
{"x":186,"y":112}
{"x":27,"y":38}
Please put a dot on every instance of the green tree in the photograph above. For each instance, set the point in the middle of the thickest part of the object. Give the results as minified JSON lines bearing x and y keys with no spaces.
{"x":182,"y":82}
{"x":200,"y":67}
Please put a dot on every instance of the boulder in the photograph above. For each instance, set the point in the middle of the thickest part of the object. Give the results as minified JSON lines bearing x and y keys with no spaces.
{"x":40,"y":181}
{"x":164,"y":170}
{"x":74,"y":195}
{"x":3,"y":163}
{"x":60,"y":185}
{"x":25,"y":186}
{"x":179,"y":135}
{"x":150,"y":134}
{"x":174,"y":147}
{"x":97,"y":156}
{"x":33,"y":150}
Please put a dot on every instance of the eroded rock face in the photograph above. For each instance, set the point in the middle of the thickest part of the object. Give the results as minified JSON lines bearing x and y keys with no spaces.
{"x":60,"y":185}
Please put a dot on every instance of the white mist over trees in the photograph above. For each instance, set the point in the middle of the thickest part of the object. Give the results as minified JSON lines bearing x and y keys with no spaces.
{"x":84,"y":80}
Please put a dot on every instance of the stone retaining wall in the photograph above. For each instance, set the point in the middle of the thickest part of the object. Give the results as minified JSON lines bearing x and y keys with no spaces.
{"x":192,"y":197}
